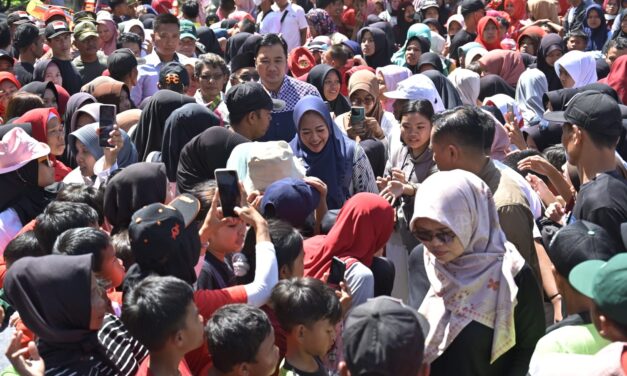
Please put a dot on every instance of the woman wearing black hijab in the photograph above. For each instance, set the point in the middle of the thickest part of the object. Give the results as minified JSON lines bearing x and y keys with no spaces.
{"x":148,"y":135}
{"x":559,"y":98}
{"x":430,"y":61}
{"x":184,"y":124}
{"x":58,"y":298}
{"x":203,"y":154}
{"x":317,"y":77}
{"x":39,"y":88}
{"x":377,"y":54}
{"x":547,"y":57}
{"x":233,"y":45}
{"x":493,"y":84}
{"x":208,"y":39}
{"x":448,"y":93}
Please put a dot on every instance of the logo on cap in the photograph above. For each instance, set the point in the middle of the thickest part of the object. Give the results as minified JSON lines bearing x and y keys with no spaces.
{"x":57,"y":25}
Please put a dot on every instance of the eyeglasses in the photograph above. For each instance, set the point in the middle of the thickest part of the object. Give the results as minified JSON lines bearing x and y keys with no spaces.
{"x":427,"y":236}
{"x":208,"y":77}
{"x":59,"y":131}
{"x":368,"y":101}
{"x":248,"y":77}
{"x":45,"y":160}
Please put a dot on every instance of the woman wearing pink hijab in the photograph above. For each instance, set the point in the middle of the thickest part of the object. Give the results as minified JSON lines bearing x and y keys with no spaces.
{"x":389,"y":77}
{"x":107,"y":31}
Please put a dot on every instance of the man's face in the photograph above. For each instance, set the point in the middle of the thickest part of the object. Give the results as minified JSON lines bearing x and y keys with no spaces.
{"x":441,"y":155}
{"x":271,"y":64}
{"x":570,"y":141}
{"x":263,"y":123}
{"x":38,"y":46}
{"x":211,"y":81}
{"x":187,"y":47}
{"x":576,"y":43}
{"x":166,"y":39}
{"x":613,"y":54}
{"x":88,"y":47}
{"x":61,"y":45}
{"x":335,"y":8}
{"x":6,"y":65}
{"x":244,"y":75}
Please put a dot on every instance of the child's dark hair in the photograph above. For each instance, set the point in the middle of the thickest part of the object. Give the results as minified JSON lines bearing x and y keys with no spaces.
{"x":421,"y":106}
{"x":164,"y":19}
{"x":122,"y":246}
{"x":60,"y":216}
{"x":85,"y":194}
{"x":305,"y":301}
{"x":556,"y":155}
{"x":190,"y":9}
{"x":82,"y":241}
{"x":155,"y":309}
{"x":128,"y":38}
{"x":24,"y":245}
{"x":234,"y":334}
{"x":339,"y":53}
{"x":512,"y":159}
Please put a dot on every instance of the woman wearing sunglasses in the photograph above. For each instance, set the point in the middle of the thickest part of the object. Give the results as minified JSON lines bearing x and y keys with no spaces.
{"x":483,"y":304}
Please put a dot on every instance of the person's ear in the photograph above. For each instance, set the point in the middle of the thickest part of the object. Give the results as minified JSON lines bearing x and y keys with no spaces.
{"x":300,"y":332}
{"x":453,"y":152}
{"x":576,"y":135}
{"x":152,"y":37}
{"x":242,"y":369}
{"x":284,"y":272}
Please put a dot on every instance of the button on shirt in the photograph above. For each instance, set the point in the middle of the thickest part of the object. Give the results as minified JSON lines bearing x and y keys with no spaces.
{"x":148,"y":76}
{"x":291,"y":25}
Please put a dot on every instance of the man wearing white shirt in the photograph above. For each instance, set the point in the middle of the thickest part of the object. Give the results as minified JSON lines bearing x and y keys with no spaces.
{"x":293,"y":23}
{"x":269,"y":21}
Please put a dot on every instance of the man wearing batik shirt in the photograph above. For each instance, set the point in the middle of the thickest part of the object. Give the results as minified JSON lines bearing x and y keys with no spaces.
{"x":271,"y":63}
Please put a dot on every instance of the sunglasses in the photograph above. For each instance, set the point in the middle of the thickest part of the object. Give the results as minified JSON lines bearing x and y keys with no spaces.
{"x":427,"y":236}
{"x":45,"y":159}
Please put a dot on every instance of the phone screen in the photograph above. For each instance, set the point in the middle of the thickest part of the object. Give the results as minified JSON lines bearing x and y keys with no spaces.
{"x":338,"y":268}
{"x":107,"y":120}
{"x":228,"y":187}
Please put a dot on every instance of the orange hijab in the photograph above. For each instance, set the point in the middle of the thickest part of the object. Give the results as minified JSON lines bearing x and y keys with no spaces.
{"x":483,"y":23}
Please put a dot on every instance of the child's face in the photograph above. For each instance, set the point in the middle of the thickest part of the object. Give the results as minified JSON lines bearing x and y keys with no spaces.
{"x":193,"y":332}
{"x":53,"y":74}
{"x":228,"y":237}
{"x":112,"y":268}
{"x":267,"y":358}
{"x":576,"y":43}
{"x":318,"y":338}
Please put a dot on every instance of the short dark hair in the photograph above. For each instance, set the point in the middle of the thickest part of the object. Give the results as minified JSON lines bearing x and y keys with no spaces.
{"x":304,"y":301}
{"x":269,"y":40}
{"x":204,"y":192}
{"x":155,"y":309}
{"x":211,"y":60}
{"x":512,"y":159}
{"x":24,"y":245}
{"x":287,"y":241}
{"x":465,"y":124}
{"x":5,"y":34}
{"x":247,"y":26}
{"x":122,"y":246}
{"x":211,"y":19}
{"x":164,"y":19}
{"x":235,"y":333}
{"x":556,"y":155}
{"x":128,"y":38}
{"x":598,"y":139}
{"x":421,"y":106}
{"x":190,"y":8}
{"x":83,"y":241}
{"x":339,"y":52}
{"x":577,"y":33}
{"x":21,"y":102}
{"x":60,"y":216}
{"x":85,"y":194}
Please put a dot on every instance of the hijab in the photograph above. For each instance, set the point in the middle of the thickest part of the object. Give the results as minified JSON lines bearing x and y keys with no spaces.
{"x":467,"y":84}
{"x":430,"y":58}
{"x":91,"y":109}
{"x":617,"y":78}
{"x":366,"y":80}
{"x":111,"y":45}
{"x":529,"y":91}
{"x":110,"y":92}
{"x":483,"y":23}
{"x":75,"y":102}
{"x":203,"y":154}
{"x":415,"y":31}
{"x":320,"y":21}
{"x":233,"y":45}
{"x":148,"y":135}
{"x":520,"y":10}
{"x":535,"y":33}
{"x":62,"y":98}
{"x":392,"y":75}
{"x":334,"y":164}
{"x":380,"y":58}
{"x":402,"y":26}
{"x":448,"y":93}
{"x":7,"y":76}
{"x":543,"y":9}
{"x":559,"y":98}
{"x":39,"y":71}
{"x":493,"y":84}
{"x":507,"y":64}
{"x":549,"y":43}
{"x":208,"y":39}
{"x":478,"y":285}
{"x":598,"y":36}
{"x":184,"y":124}
{"x":580,"y":66}
{"x":38,"y":288}
{"x":87,"y":135}
{"x":39,"y":88}
{"x":39,"y":119}
{"x":363,"y":226}
{"x":131,"y":189}
{"x":317,"y":76}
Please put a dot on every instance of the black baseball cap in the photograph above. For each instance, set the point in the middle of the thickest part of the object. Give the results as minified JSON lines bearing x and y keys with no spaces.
{"x":384,"y":337}
{"x":594,"y":111}
{"x":578,"y":242}
{"x":154,"y":229}
{"x":469,"y":6}
{"x":25,"y":35}
{"x":173,"y":73}
{"x":122,"y":61}
{"x":18,"y":18}
{"x":56,"y":28}
{"x":5,"y":56}
{"x":251,"y":96}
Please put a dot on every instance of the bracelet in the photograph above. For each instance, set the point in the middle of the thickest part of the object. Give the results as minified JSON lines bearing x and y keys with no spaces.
{"x":552,"y":297}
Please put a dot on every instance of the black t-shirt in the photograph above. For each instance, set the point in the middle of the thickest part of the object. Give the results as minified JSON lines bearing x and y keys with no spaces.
{"x":293,"y":371}
{"x":603,"y":201}
{"x":24,"y":72}
{"x":71,"y":78}
{"x":461,"y":38}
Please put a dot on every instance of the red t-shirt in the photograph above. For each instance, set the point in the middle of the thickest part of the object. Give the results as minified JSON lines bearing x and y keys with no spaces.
{"x":144,"y":369}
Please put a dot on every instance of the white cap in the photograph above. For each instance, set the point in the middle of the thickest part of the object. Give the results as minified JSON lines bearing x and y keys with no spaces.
{"x":417,"y":87}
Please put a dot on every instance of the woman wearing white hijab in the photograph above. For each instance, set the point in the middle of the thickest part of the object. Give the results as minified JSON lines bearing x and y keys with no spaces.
{"x":576,"y":69}
{"x":532,"y":85}
{"x":484,"y":305}
{"x":467,"y":84}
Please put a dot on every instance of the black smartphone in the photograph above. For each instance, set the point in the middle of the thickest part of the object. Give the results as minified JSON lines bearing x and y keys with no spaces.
{"x":107,"y":120}
{"x":338,"y":268}
{"x":228,"y":187}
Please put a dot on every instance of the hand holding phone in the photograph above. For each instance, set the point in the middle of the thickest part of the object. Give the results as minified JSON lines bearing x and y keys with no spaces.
{"x":358,"y":115}
{"x":338,"y":268}
{"x":228,"y":188}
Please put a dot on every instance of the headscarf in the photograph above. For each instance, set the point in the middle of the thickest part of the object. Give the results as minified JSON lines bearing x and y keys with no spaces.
{"x":39,"y":72}
{"x":611,"y":17}
{"x":233,"y":45}
{"x":38,"y":287}
{"x":4,"y":76}
{"x":596,"y":37}
{"x":520,"y":11}
{"x":483,"y":23}
{"x":131,"y":189}
{"x":184,"y":124}
{"x":478,"y":285}
{"x":75,"y":102}
{"x":366,"y":80}
{"x":317,"y":76}
{"x":414,"y":31}
{"x":617,"y":78}
{"x":148,"y":134}
{"x":535,"y":33}
{"x":431,"y":59}
{"x":381,"y":55}
{"x":448,"y":93}
{"x":207,"y":38}
{"x":543,"y":9}
{"x":87,"y":135}
{"x":133,"y":22}
{"x":454,"y":18}
{"x":549,"y":43}
{"x":363,"y":226}
{"x":580,"y":66}
{"x":93,"y":84}
{"x":392,"y":75}
{"x":334,"y":164}
{"x":110,"y":92}
{"x":559,"y":98}
{"x":111,"y":45}
{"x":321,"y":22}
{"x":529,"y":91}
{"x":507,"y":64}
{"x":91,"y":109}
{"x":62,"y":98}
{"x":203,"y":154}
{"x":618,"y":33}
{"x":389,"y":35}
{"x":300,"y":61}
{"x":493,"y":84}
{"x":39,"y":88}
{"x":467,"y":84}
{"x":402,"y":26}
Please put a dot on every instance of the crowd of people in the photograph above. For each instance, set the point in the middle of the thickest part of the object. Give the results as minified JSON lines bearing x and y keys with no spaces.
{"x":423,"y":187}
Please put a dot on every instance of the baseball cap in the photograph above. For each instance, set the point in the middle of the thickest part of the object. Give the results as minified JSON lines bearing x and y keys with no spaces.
{"x":154,"y":229}
{"x":291,"y":200}
{"x":5,"y":56}
{"x":52,"y":12}
{"x":415,"y":87}
{"x":317,"y":46}
{"x":384,"y":337}
{"x":84,"y":30}
{"x":578,"y":242}
{"x":188,"y":30}
{"x":251,"y":96}
{"x":426,"y":4}
{"x":84,"y":15}
{"x":18,"y":18}
{"x":56,"y":28}
{"x":173,"y":73}
{"x":25,"y":35}
{"x":268,"y":162}
{"x":469,"y":6}
{"x":605,"y":283}
{"x":594,"y":111}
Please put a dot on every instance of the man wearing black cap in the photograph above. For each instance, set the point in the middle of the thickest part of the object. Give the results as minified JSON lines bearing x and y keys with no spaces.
{"x":6,"y":62}
{"x":592,"y":125}
{"x":472,"y":10}
{"x":122,"y":66}
{"x":250,"y":109}
{"x":59,"y":39}
{"x":14,"y":20}
{"x":173,"y":76}
{"x":30,"y":43}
